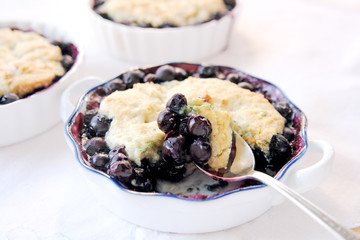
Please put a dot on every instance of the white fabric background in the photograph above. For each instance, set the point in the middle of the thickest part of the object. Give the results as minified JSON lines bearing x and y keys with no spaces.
{"x":310,"y":49}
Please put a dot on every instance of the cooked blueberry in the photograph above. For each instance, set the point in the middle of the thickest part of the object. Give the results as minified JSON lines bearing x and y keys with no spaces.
{"x":100,"y":91}
{"x":180,"y":73}
{"x":167,"y":25}
{"x":165,"y":73}
{"x":261,"y":161}
{"x":230,"y":4}
{"x":216,"y":16}
{"x":8,"y":98}
{"x":207,"y":71}
{"x":285,"y":110}
{"x":99,"y":125}
{"x":88,"y":116}
{"x":65,"y":47}
{"x":199,"y":126}
{"x":183,"y":126}
{"x":98,"y":3}
{"x":200,"y":151}
{"x":233,"y":77}
{"x":175,"y":173}
{"x":67,"y":62}
{"x":95,"y":145}
{"x":99,"y":161}
{"x":150,"y":77}
{"x":122,"y":170}
{"x":118,"y":157}
{"x":114,"y":85}
{"x":280,"y":148}
{"x":133,"y":76}
{"x":289,"y":133}
{"x":173,"y":149}
{"x":246,"y":85}
{"x":177,"y":103}
{"x":142,"y":181}
{"x":167,"y":121}
{"x":116,"y":150}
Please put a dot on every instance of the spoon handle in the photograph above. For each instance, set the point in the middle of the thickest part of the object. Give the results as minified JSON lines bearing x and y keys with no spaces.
{"x":307,"y":206}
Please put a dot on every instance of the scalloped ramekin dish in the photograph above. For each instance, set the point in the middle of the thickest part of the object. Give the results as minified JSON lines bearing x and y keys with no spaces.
{"x":169,"y":211}
{"x":158,"y":45}
{"x":29,"y":116}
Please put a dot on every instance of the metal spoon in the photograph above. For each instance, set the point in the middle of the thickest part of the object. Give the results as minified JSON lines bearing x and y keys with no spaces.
{"x":243,"y":168}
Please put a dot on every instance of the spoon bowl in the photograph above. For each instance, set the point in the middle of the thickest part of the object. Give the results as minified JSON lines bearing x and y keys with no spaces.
{"x":242,"y":168}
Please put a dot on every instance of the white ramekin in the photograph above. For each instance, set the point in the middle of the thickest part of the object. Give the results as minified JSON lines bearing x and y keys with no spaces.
{"x":32,"y":115}
{"x":158,"y":45}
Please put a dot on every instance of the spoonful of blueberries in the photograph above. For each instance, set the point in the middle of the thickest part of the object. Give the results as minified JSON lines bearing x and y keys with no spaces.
{"x":241,"y":160}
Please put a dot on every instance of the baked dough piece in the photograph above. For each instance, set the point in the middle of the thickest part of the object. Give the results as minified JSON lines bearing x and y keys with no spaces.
{"x":27,"y":62}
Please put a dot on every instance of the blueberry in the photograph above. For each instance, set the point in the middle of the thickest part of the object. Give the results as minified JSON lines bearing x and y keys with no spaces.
{"x":285,"y":110}
{"x":122,"y":170}
{"x":99,"y":125}
{"x":133,"y":76}
{"x":261,"y":161}
{"x":175,"y":173}
{"x":116,"y":150}
{"x":183,"y":126}
{"x":67,"y":62}
{"x":280,"y":149}
{"x":88,"y":116}
{"x":199,"y":126}
{"x":167,"y":121}
{"x":289,"y":133}
{"x":150,"y":77}
{"x":65,"y":47}
{"x":167,"y":25}
{"x":200,"y":151}
{"x":207,"y":71}
{"x":165,"y":73}
{"x":143,"y":182}
{"x":177,"y":103}
{"x":216,"y":16}
{"x":114,"y":85}
{"x":173,"y":149}
{"x":8,"y":98}
{"x":95,"y":145}
{"x":117,"y":157}
{"x":246,"y":85}
{"x":99,"y":161}
{"x":233,"y":77}
{"x":180,"y":73}
{"x":230,"y":4}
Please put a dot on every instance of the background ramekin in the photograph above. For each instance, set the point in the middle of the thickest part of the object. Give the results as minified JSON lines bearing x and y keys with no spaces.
{"x":38,"y":112}
{"x":172,"y":213}
{"x":155,"y":45}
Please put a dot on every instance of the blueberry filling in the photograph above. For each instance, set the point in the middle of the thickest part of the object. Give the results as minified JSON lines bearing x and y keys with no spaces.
{"x":186,"y":134}
{"x":97,"y":5}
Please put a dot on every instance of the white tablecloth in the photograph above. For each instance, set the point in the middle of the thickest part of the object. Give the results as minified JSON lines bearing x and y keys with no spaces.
{"x":310,"y":49}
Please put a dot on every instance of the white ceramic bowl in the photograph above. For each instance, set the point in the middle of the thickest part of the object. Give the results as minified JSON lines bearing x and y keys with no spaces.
{"x":154,"y":45}
{"x":175,"y":213}
{"x":32,"y":115}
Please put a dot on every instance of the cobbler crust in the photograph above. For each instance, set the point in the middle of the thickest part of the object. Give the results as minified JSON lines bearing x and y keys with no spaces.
{"x":27,"y":62}
{"x":228,"y":107}
{"x":160,"y":12}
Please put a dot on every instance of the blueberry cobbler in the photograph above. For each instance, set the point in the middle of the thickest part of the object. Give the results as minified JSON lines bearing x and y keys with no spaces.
{"x":148,"y":125}
{"x":29,"y":62}
{"x":162,"y":13}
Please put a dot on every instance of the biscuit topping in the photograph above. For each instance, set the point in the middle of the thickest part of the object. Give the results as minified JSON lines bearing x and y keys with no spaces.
{"x":27,"y":62}
{"x":161,"y":12}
